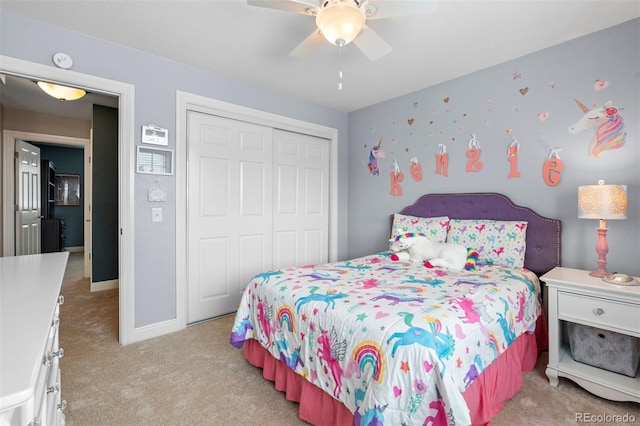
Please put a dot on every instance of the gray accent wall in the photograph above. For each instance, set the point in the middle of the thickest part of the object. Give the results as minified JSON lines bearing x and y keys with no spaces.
{"x":104,"y":214}
{"x":68,"y":161}
{"x":497,"y":103}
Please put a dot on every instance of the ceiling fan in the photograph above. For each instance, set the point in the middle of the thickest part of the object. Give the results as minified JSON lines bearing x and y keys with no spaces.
{"x":342,"y":21}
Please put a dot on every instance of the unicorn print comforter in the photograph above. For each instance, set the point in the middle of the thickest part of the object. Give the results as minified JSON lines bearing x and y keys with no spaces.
{"x":395,"y":342}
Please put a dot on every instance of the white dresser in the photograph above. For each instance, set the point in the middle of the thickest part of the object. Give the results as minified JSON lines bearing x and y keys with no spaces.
{"x":29,"y":354}
{"x":576,"y":297}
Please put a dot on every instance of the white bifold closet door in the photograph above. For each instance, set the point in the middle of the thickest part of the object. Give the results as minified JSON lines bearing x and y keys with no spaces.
{"x":257,"y":201}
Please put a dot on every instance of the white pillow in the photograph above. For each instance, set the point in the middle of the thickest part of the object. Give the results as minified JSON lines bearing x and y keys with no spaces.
{"x":498,"y":242}
{"x":434,"y":228}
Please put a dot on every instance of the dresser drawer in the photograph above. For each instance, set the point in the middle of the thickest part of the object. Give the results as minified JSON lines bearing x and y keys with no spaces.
{"x":607,"y":314}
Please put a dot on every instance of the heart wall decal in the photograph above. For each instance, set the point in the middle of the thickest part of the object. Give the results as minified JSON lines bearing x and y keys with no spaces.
{"x":524,"y":91}
{"x":410,"y":121}
{"x":600,"y":84}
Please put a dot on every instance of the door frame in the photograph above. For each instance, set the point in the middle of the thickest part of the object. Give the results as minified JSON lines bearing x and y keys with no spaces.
{"x":126,"y":173}
{"x":190,"y":102}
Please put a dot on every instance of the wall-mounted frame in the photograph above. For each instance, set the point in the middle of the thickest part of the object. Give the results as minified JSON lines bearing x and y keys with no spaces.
{"x":155,"y":161}
{"x":67,"y":190}
{"x":154,"y":135}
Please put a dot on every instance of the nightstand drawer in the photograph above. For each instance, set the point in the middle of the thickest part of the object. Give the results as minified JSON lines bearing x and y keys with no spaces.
{"x":605,"y":313}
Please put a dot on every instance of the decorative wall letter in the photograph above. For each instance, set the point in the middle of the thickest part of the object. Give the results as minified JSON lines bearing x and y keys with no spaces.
{"x":442,"y":161}
{"x":415,"y":169}
{"x":396,"y":178}
{"x":473,"y":154}
{"x":512,"y":156}
{"x":552,"y":168}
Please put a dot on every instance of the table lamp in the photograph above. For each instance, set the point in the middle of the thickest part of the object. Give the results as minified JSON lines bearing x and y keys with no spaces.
{"x":602,"y":202}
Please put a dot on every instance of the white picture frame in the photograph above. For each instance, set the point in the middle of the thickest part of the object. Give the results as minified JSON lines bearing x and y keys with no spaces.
{"x":154,"y":161}
{"x":154,"y":135}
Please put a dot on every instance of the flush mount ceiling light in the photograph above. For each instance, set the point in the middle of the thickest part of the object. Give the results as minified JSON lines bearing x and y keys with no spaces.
{"x":340,"y":22}
{"x":64,"y":93}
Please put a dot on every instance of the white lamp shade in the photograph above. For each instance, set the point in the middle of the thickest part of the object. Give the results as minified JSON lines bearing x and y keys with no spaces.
{"x":64,"y":93}
{"x":602,"y":201}
{"x":340,"y":23}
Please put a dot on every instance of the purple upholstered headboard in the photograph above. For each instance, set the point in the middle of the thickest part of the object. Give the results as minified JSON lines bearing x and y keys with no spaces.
{"x":543,"y":234}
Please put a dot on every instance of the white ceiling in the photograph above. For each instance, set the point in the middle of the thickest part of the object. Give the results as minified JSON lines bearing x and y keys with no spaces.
{"x":251,"y":44}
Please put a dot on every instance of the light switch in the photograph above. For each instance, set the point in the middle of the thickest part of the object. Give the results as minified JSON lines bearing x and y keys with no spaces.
{"x":156,"y":214}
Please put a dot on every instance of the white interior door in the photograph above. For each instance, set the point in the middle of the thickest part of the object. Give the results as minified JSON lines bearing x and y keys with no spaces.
{"x":229,"y":212}
{"x":28,"y":208}
{"x":301,"y":199}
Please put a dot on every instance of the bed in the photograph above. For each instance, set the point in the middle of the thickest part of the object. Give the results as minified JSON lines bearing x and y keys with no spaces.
{"x":373,"y":340}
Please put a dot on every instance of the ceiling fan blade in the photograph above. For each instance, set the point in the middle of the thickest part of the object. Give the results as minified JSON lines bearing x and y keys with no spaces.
{"x":383,"y":9}
{"x":286,"y":5}
{"x":371,"y":44}
{"x":308,"y":44}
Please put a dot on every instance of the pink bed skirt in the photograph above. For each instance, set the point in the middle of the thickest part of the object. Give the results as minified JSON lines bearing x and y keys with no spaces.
{"x":485,"y":396}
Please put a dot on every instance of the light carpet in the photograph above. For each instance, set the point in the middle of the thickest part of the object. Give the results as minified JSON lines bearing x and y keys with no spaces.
{"x":194,"y":377}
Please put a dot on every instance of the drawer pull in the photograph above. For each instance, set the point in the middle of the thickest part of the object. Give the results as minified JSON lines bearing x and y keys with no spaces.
{"x":54,"y":389}
{"x":62,"y":406}
{"x":59,"y":353}
{"x":598,"y":312}
{"x":48,"y":360}
{"x":55,"y":323}
{"x":61,"y":300}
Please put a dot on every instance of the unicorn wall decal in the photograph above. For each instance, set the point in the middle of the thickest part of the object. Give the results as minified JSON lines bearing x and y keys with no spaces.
{"x":609,"y":133}
{"x":375,"y":153}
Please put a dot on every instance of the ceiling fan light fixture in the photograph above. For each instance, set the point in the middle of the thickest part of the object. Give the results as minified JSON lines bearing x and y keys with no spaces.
{"x":64,"y":93}
{"x":340,"y":22}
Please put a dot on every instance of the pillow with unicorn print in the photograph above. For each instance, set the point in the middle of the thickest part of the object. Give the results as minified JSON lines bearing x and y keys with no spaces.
{"x":498,"y":242}
{"x":434,"y":228}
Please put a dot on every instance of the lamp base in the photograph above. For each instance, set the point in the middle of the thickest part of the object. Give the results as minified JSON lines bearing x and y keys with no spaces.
{"x":600,"y":273}
{"x":601,"y":248}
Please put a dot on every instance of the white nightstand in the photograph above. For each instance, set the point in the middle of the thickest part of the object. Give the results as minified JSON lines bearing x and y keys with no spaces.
{"x":575,"y":296}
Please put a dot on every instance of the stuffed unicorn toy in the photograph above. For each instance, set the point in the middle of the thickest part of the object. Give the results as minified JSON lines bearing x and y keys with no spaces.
{"x":400,"y":256}
{"x":422,"y":249}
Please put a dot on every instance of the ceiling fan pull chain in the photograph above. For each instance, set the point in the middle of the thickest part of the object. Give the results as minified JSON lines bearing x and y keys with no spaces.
{"x":339,"y":67}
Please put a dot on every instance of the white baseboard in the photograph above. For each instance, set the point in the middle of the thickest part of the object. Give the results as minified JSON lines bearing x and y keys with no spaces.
{"x":155,"y":330}
{"x":105,"y":285}
{"x":74,"y":249}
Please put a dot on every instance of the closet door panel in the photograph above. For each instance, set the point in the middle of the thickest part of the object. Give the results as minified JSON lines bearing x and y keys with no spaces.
{"x":302,"y":198}
{"x":229,"y":212}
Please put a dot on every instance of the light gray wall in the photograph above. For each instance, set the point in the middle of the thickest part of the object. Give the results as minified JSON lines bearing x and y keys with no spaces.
{"x":488,"y":103}
{"x":156,"y":81}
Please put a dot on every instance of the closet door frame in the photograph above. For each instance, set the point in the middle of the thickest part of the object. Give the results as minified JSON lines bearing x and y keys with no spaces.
{"x":189,"y":102}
